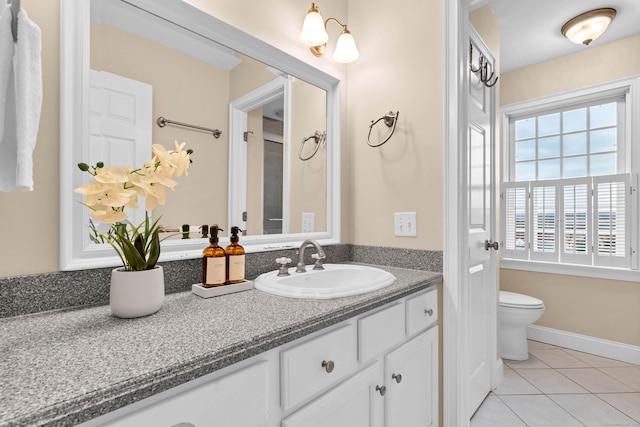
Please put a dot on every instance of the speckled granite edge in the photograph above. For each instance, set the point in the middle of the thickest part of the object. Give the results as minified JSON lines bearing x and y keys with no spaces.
{"x":23,"y":295}
{"x":92,"y":405}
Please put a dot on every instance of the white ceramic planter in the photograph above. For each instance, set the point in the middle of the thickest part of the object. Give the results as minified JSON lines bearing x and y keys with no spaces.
{"x":136,"y":293}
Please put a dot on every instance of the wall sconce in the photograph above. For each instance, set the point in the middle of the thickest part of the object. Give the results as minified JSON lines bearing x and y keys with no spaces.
{"x":314,"y":34}
{"x":585,"y":28}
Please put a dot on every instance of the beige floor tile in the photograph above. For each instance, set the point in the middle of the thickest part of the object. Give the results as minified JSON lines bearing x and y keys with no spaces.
{"x":539,"y":411}
{"x":591,"y":411}
{"x":550,"y":381}
{"x":512,"y":383}
{"x":629,"y":375}
{"x":532,"y":363}
{"x":494,"y":413}
{"x":627,"y":403}
{"x":596,"y":361}
{"x":540,"y":345}
{"x":594,"y":380}
{"x":558,"y":358}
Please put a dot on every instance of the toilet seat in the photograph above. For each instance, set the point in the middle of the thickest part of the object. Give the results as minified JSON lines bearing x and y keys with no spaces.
{"x":514,"y":300}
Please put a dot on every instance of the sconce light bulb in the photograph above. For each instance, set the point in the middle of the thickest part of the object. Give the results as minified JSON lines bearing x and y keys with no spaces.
{"x":313,"y":32}
{"x":346,"y":50}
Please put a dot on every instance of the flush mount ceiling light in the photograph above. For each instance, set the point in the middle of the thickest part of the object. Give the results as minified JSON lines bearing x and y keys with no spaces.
{"x":585,"y":28}
{"x":314,"y":34}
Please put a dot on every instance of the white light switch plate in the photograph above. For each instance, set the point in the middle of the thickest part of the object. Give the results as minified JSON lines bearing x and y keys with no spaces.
{"x":405,"y":224}
{"x":308,"y":222}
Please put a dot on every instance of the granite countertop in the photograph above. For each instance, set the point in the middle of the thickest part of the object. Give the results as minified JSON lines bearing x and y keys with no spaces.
{"x":65,"y":367}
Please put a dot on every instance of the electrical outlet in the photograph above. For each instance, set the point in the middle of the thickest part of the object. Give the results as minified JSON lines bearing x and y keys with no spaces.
{"x":308,"y":222}
{"x":405,"y":224}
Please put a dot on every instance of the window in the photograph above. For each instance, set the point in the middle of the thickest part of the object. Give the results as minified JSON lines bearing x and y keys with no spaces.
{"x":569,"y":192}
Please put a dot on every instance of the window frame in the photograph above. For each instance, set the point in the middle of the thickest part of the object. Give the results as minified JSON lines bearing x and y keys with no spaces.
{"x":628,"y":162}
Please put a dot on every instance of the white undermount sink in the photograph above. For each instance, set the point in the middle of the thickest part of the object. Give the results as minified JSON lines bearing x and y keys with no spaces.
{"x":336,"y":280}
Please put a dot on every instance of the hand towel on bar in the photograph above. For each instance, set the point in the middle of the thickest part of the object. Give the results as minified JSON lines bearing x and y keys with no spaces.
{"x":6,"y":60}
{"x":26,"y":102}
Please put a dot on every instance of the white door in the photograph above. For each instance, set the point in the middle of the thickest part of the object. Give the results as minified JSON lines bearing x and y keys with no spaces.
{"x":120,"y":125}
{"x":480,"y":296}
{"x":412,"y":382}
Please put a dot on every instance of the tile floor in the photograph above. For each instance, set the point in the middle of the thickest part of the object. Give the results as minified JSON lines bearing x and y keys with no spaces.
{"x":562,"y":387}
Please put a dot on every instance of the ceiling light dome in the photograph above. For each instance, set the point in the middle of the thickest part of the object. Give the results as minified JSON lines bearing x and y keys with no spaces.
{"x":585,"y":28}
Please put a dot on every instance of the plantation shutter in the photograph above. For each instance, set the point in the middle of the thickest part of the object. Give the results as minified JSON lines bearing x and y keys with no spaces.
{"x":611,"y":225}
{"x":544,"y":232}
{"x":576,"y":237}
{"x":515,"y":208}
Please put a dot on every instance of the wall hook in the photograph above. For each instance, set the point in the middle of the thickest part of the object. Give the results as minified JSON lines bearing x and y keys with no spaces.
{"x":390,"y":120}
{"x":482,"y":69}
{"x":319,"y":138}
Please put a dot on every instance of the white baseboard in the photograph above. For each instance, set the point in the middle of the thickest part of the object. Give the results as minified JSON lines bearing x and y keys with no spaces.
{"x":498,"y":374}
{"x":597,"y":346}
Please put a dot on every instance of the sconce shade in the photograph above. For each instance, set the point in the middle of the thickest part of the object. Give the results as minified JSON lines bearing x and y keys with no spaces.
{"x":346,"y":50}
{"x":313,"y":32}
{"x":585,"y":28}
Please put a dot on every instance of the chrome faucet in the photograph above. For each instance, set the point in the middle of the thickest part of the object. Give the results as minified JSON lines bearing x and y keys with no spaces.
{"x":319,"y":256}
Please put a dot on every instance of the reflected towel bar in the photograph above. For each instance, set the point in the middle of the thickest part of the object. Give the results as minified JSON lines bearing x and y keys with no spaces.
{"x":162,"y":122}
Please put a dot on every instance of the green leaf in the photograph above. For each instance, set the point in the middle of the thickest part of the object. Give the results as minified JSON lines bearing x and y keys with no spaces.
{"x":83,"y":167}
{"x":154,"y":251}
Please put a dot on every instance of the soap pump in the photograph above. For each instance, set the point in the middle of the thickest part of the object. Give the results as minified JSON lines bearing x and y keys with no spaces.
{"x":213,"y":261}
{"x":235,"y":258}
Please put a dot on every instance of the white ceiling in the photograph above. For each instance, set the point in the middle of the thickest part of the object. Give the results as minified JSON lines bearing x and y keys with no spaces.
{"x":530,"y":29}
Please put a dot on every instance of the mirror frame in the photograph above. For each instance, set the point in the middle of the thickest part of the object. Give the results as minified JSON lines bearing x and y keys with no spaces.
{"x":74,"y":77}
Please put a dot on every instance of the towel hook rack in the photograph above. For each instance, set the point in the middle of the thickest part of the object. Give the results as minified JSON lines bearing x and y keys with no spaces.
{"x":319,"y":138}
{"x":482,"y":68}
{"x":162,"y":122}
{"x":390,"y":120}
{"x":15,"y":8}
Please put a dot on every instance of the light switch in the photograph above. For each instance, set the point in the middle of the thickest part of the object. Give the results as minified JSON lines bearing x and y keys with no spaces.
{"x":308,"y":220}
{"x":405,"y":224}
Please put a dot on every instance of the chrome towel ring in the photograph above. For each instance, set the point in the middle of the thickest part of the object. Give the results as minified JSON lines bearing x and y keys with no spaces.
{"x":390,"y":120}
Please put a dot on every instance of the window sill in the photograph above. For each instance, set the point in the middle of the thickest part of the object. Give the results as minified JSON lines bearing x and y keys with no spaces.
{"x":572,"y":270}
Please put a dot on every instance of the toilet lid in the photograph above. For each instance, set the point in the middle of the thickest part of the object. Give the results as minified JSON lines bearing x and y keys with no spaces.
{"x":512,"y":299}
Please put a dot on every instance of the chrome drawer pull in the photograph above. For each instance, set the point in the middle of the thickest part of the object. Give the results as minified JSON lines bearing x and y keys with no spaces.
{"x":382,"y":389}
{"x":328,"y":366}
{"x":428,"y":311}
{"x":397,"y":377}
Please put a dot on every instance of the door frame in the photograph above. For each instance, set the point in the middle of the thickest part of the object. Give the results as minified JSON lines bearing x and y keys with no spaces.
{"x":455,"y":249}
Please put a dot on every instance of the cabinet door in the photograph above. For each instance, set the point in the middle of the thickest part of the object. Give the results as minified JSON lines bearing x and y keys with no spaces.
{"x":237,"y":399}
{"x":354,"y":403}
{"x":412,"y":382}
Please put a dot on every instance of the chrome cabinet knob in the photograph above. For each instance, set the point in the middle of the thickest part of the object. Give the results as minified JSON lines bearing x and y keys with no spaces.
{"x":428,"y":311}
{"x":397,"y":377}
{"x":328,"y":365}
{"x":381,"y":389}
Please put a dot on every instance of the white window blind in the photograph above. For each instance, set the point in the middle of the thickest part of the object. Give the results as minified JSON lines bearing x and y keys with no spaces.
{"x":575,"y":221}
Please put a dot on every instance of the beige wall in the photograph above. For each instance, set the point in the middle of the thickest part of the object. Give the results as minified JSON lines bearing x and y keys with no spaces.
{"x":601,"y":308}
{"x":399,"y":69}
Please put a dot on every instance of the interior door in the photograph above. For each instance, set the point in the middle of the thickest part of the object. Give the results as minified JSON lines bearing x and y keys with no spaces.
{"x":119,"y":125}
{"x":480,"y":298}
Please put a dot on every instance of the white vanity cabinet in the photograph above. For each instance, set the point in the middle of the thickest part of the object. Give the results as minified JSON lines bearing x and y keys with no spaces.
{"x":378,"y":369}
{"x":239,"y":398}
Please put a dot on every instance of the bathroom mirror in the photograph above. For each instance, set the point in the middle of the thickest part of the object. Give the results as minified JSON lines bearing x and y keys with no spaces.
{"x":187,"y":66}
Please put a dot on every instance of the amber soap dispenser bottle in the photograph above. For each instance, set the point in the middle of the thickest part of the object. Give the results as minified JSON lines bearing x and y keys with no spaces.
{"x":235,"y":258}
{"x":213,"y":261}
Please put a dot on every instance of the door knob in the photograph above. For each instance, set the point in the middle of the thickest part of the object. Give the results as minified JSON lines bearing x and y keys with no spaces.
{"x":493,"y":245}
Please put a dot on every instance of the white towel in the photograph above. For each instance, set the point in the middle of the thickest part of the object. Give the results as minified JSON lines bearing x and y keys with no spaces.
{"x":24,"y":100}
{"x":6,"y":59}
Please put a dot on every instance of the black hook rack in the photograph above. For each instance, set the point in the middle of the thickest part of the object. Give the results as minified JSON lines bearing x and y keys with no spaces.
{"x":482,"y":69}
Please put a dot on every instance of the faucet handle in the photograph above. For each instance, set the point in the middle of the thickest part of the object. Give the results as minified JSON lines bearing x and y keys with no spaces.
{"x":282,"y":266}
{"x":318,"y":258}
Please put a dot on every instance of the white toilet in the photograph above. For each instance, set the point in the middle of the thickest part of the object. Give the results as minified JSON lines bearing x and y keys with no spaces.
{"x":515,"y":313}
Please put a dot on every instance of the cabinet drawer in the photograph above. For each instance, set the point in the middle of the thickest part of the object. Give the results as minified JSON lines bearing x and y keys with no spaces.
{"x":237,"y":399}
{"x":380,"y":331}
{"x":422,"y":311}
{"x":317,"y":363}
